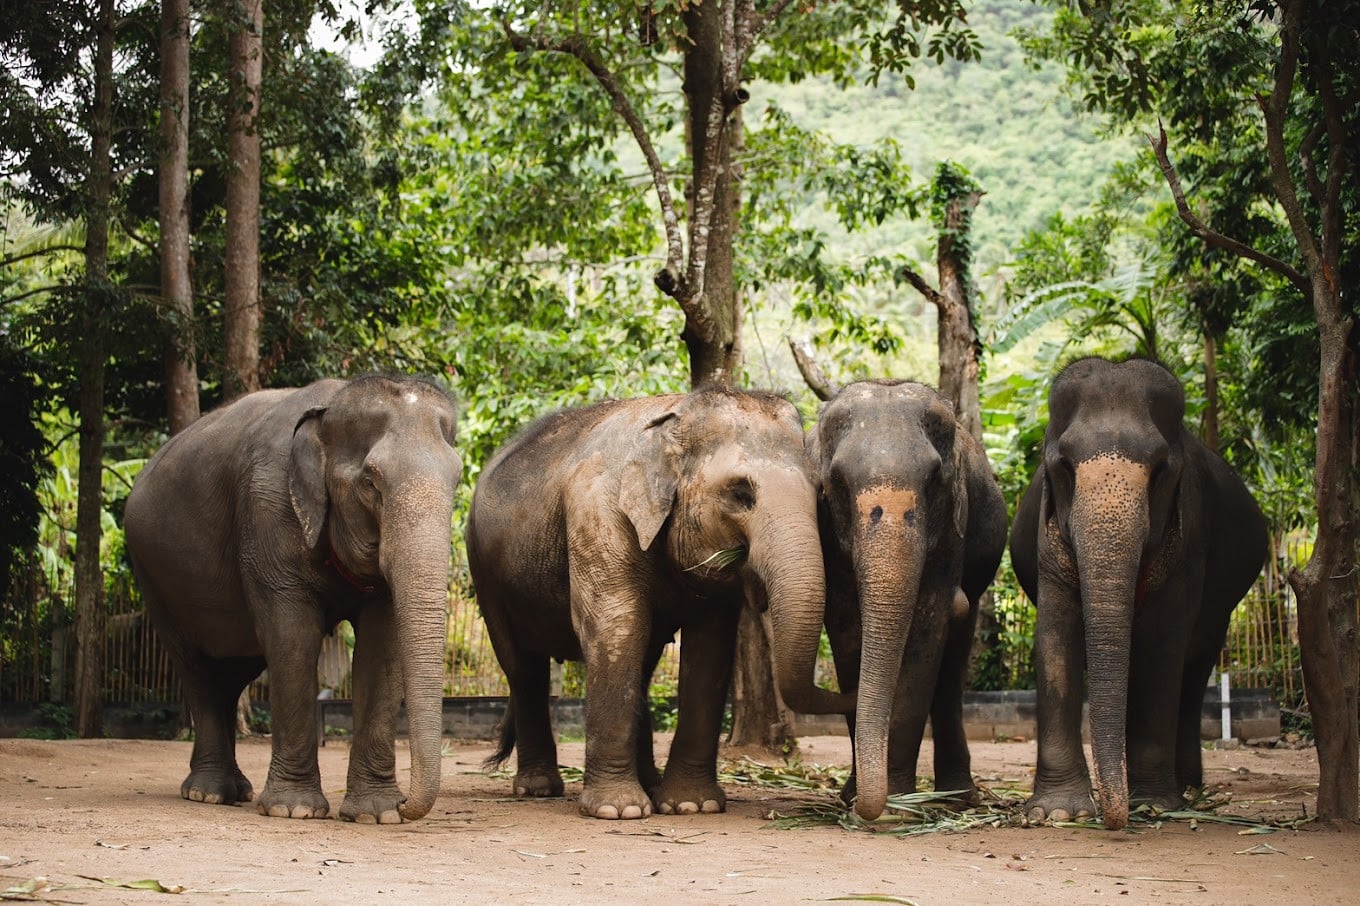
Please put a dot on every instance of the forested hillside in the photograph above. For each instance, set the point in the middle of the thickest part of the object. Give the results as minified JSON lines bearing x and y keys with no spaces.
{"x":1008,"y":122}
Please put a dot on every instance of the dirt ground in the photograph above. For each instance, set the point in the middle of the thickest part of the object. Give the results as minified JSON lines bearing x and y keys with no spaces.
{"x":111,"y":810}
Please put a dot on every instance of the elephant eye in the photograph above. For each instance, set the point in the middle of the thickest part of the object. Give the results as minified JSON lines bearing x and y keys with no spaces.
{"x":741,"y":494}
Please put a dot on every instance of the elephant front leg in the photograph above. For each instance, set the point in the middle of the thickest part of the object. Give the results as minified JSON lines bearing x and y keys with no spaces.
{"x":1155,"y":705}
{"x":371,"y":792}
{"x":1062,"y":782}
{"x":953,"y":763}
{"x":293,"y":788}
{"x":614,"y":638}
{"x":707,"y":647}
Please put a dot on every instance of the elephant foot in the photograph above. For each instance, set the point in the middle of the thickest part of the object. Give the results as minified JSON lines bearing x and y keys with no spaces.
{"x":1059,"y":804}
{"x":278,"y":801}
{"x":615,"y":800}
{"x":373,"y":805}
{"x":687,"y":796}
{"x":1163,"y":799}
{"x":536,"y":782}
{"x":962,"y":784}
{"x":217,"y":787}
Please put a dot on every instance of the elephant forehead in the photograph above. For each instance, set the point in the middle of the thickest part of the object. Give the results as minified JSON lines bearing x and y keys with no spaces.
{"x":884,"y":500}
{"x":1112,"y":486}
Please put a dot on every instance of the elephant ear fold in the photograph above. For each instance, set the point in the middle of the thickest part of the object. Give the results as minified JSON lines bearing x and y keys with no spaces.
{"x":960,"y":489}
{"x":812,"y":446}
{"x":649,"y":480}
{"x":307,"y":475}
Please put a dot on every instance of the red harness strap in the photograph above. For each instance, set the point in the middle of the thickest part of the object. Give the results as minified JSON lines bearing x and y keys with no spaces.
{"x":333,"y":561}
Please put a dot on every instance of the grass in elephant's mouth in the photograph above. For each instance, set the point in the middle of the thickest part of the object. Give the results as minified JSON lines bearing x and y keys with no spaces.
{"x":935,"y":812}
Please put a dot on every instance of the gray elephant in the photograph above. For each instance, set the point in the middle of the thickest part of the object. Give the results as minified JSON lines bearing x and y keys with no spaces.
{"x":599,"y":533}
{"x":262,"y":525}
{"x":913,"y":528}
{"x":1135,"y":542}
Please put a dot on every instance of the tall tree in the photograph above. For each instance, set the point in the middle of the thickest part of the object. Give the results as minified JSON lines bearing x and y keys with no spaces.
{"x":242,"y":315}
{"x":1264,"y":100}
{"x":181,"y":364}
{"x":89,"y":717}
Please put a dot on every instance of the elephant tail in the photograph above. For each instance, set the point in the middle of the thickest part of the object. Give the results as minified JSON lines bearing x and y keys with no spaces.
{"x":507,"y":738}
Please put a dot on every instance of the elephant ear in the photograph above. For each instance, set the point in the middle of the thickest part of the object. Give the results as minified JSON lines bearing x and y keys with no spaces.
{"x":649,"y":480}
{"x":307,"y":475}
{"x":812,"y":446}
{"x":960,"y":489}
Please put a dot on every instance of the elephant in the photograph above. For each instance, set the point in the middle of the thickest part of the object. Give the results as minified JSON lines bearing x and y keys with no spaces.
{"x":600,"y":532}
{"x":1135,"y":541}
{"x":257,"y":529}
{"x":913,"y":527}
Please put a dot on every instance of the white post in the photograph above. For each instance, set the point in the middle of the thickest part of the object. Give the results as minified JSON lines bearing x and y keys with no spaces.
{"x":1225,"y":703}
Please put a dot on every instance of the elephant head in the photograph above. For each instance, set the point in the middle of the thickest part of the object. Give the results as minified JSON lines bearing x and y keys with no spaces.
{"x":372,"y":477}
{"x":1114,"y":457}
{"x":725,"y":471}
{"x":895,"y":503}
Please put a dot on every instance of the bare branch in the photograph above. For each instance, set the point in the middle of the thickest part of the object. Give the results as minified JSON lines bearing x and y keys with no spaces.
{"x":1213,"y":238}
{"x":932,"y":295}
{"x":755,"y":25}
{"x":813,"y":375}
{"x":47,"y":250}
{"x":576,"y":46}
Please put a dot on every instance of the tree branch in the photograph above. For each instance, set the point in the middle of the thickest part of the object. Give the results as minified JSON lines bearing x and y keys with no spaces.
{"x":1213,"y":238}
{"x":47,"y":250}
{"x":932,"y":295}
{"x":576,"y":46}
{"x":813,"y":375}
{"x":756,"y":23}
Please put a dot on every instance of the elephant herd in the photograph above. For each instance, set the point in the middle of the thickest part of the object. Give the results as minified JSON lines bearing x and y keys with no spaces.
{"x":601,"y":531}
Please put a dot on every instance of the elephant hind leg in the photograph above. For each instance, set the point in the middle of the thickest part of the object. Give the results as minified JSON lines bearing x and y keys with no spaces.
{"x":953,"y":764}
{"x":529,"y":730}
{"x":212,"y":688}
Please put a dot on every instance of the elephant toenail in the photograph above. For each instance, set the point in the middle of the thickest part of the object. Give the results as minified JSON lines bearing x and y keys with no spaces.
{"x":365,"y":819}
{"x":194,"y":795}
{"x":711,"y":807}
{"x":390,"y":816}
{"x":1059,"y":814}
{"x":608,"y":812}
{"x":688,"y":808}
{"x":278,"y":811}
{"x":632,"y":811}
{"x":300,"y":811}
{"x":212,"y":799}
{"x":665,"y":808}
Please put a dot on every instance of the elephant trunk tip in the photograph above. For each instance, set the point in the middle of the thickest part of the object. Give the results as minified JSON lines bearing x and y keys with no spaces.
{"x":414,"y":810}
{"x":868,"y":808}
{"x":1114,"y":809}
{"x":817,"y":700}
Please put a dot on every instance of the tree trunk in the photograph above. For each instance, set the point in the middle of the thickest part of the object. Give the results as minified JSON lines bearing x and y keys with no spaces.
{"x":759,"y":717}
{"x":181,"y":369}
{"x":90,"y":617}
{"x":1210,"y":391}
{"x":1327,"y":588}
{"x":712,"y":331}
{"x":957,"y":336}
{"x":243,"y":204}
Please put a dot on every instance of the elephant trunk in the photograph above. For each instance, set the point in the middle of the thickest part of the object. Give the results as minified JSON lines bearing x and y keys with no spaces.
{"x":889,"y":563}
{"x":786,"y":554}
{"x":1109,"y":525}
{"x":417,"y":570}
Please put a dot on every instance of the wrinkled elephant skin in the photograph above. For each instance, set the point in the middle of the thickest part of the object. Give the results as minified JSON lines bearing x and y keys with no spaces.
{"x":913,"y":527}
{"x":599,"y":533}
{"x":261,"y":526}
{"x":1135,"y":542}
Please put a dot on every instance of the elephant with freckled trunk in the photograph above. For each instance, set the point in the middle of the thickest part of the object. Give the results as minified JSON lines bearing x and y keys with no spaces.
{"x":1135,"y":542}
{"x":261,"y":526}
{"x":913,"y":528}
{"x":599,"y":533}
